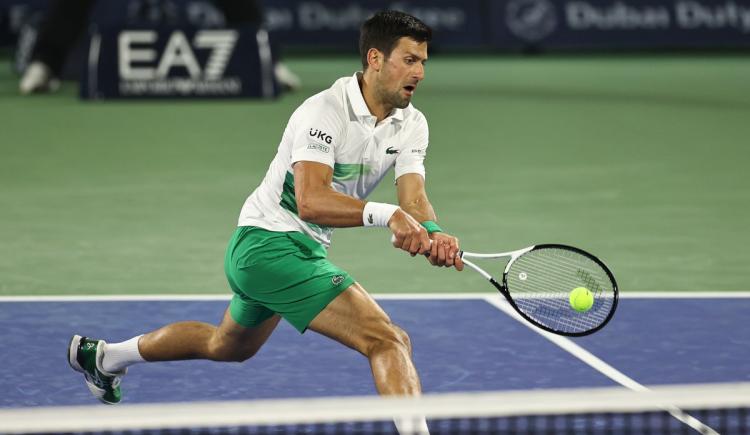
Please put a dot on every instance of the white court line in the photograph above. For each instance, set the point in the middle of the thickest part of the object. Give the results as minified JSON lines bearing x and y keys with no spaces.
{"x":685,"y":295}
{"x":116,"y":298}
{"x":596,"y":363}
{"x":626,"y":295}
{"x":379,"y":296}
{"x":225,"y":297}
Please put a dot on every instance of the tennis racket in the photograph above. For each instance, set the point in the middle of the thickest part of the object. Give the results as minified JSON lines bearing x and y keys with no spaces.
{"x":537,"y":282}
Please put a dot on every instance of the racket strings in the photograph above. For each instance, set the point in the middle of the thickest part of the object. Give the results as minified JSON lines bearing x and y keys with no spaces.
{"x":540,"y":283}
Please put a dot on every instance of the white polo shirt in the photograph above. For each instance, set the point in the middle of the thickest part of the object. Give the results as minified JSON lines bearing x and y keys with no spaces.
{"x":336,"y":128}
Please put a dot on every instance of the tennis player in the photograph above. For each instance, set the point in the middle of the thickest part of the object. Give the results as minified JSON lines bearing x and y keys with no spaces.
{"x":337,"y":146}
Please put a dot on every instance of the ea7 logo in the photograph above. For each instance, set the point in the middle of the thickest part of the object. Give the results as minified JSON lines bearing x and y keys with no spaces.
{"x":319,"y":134}
{"x":136,"y":50}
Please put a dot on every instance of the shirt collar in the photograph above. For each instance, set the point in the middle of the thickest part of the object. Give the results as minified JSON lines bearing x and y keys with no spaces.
{"x":358,"y":101}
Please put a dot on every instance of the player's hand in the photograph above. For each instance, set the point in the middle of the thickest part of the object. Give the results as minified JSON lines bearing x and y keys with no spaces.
{"x":444,"y":251}
{"x":408,"y":234}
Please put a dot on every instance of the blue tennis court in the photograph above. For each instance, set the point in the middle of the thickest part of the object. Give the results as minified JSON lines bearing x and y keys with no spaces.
{"x":461,"y":343}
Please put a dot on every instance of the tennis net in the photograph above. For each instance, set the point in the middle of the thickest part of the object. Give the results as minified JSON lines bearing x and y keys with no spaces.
{"x":680,"y":409}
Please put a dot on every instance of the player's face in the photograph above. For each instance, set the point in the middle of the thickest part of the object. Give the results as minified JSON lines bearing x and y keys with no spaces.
{"x":402,"y":71}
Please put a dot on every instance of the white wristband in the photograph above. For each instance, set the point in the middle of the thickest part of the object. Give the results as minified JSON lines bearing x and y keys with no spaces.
{"x":377,"y":214}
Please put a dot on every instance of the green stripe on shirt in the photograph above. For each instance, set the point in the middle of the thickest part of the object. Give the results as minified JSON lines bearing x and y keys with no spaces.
{"x":350,"y":171}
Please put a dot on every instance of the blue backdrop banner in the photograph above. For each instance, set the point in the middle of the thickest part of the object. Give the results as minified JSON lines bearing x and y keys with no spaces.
{"x":335,"y":23}
{"x":631,"y":24}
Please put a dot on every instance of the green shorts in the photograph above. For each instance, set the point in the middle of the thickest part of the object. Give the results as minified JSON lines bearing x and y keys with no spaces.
{"x":285,"y":273}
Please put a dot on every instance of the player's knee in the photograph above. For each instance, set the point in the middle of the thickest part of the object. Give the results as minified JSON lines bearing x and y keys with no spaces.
{"x":229,"y":352}
{"x":389,"y":337}
{"x":404,"y":336}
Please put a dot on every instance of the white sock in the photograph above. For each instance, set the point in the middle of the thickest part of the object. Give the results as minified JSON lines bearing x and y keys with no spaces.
{"x":412,"y":426}
{"x":118,"y":356}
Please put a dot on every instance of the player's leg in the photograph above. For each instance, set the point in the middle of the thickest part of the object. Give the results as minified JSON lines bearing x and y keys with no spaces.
{"x":230,"y":341}
{"x":246,"y":325}
{"x":103,"y":364}
{"x":354,"y":319}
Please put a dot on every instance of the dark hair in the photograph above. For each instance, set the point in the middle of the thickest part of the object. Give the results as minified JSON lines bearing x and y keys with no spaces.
{"x":385,"y":28}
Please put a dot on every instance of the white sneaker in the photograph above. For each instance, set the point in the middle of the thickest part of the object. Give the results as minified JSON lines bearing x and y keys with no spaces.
{"x":38,"y":78}
{"x":286,"y":78}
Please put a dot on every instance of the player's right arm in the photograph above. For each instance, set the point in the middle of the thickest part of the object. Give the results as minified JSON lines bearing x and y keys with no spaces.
{"x":319,"y":203}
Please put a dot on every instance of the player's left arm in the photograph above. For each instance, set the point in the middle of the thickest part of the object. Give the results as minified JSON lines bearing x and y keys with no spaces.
{"x":412,"y":198}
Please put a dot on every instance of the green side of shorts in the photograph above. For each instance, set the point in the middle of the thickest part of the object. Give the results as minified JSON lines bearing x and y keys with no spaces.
{"x":285,"y":273}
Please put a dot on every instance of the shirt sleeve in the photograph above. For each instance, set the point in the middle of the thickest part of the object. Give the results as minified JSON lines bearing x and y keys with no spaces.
{"x":412,"y":155}
{"x":318,"y":131}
